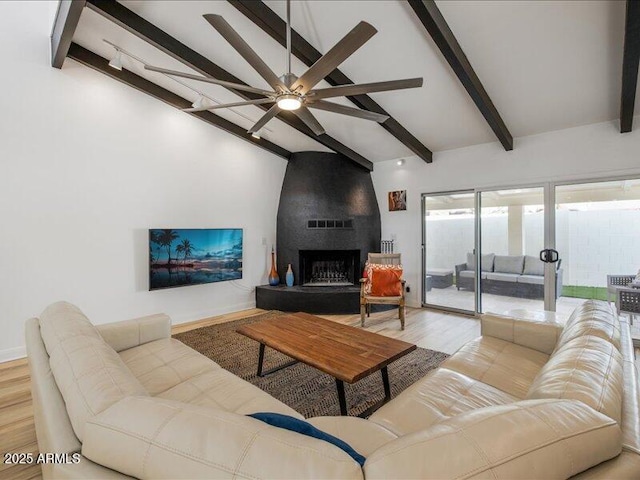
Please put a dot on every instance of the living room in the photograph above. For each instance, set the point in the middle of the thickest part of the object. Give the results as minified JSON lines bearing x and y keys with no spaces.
{"x":92,"y":165}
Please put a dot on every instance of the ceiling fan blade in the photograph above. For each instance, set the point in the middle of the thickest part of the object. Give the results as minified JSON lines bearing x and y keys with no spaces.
{"x":353,"y":112}
{"x":362,"y":88}
{"x":310,"y":121}
{"x":342,"y":50}
{"x":272,"y":112}
{"x":243,"y":48}
{"x":235,"y":86}
{"x":228,"y":105}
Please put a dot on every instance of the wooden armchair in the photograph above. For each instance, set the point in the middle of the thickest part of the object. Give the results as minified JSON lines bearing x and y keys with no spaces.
{"x":367,"y":299}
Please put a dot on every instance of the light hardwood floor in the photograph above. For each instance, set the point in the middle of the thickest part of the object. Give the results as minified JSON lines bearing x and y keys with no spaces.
{"x":440,"y":331}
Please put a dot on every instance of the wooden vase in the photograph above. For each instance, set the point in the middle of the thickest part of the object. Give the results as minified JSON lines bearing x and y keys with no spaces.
{"x":274,"y":279}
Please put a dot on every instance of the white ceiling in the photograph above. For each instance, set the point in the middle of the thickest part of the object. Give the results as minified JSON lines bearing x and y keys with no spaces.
{"x":546,"y":65}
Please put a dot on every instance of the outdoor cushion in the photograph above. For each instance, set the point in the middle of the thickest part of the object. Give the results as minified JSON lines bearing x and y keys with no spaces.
{"x":503,"y":277}
{"x":467,"y":274}
{"x":386,"y":282}
{"x":508,"y":264}
{"x":531,"y":279}
{"x":472,"y":274}
{"x":486,"y":261}
{"x":533,"y":266}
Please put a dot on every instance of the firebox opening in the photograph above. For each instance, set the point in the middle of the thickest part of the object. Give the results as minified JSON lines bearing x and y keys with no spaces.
{"x":329,"y":268}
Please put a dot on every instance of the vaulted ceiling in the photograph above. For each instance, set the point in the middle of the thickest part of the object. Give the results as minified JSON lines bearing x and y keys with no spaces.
{"x":544,"y":66}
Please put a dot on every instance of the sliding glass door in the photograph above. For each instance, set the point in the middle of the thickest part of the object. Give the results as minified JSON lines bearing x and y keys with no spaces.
{"x":512,"y":276}
{"x":448,"y":240}
{"x":546,"y":247}
{"x":597,"y":231}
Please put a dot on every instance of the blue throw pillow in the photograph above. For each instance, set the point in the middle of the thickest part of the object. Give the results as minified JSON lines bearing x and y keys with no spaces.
{"x":305,"y":428}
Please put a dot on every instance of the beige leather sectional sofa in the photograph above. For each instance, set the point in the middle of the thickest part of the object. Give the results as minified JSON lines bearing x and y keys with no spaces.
{"x":525,"y":400}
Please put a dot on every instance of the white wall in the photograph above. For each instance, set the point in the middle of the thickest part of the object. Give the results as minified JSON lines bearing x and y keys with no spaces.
{"x":87,"y":165}
{"x":591,"y":151}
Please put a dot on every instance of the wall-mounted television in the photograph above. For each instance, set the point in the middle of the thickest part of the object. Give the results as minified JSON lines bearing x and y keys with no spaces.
{"x":192,"y":256}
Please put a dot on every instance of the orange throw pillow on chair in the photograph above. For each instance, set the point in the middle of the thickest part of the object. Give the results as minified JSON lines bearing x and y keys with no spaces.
{"x":386,"y":282}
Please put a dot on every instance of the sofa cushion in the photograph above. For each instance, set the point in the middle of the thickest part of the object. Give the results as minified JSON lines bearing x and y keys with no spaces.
{"x":501,"y":364}
{"x":89,"y":373}
{"x":305,"y":428}
{"x":592,"y":318}
{"x":363,"y":435}
{"x":538,"y":439}
{"x":163,"y":364}
{"x":156,"y":438}
{"x":508,"y":264}
{"x":486,"y":261}
{"x":502,"y":277}
{"x":221,"y":389}
{"x":533,"y":266}
{"x":531,"y":279}
{"x":437,"y":397}
{"x":472,"y":274}
{"x":588,"y":369}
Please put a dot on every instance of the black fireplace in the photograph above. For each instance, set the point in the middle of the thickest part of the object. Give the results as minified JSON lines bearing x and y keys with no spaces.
{"x":328,"y":221}
{"x":329,"y":268}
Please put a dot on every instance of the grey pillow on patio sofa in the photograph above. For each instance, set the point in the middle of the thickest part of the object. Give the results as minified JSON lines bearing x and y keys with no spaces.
{"x":533,"y":266}
{"x":509,"y":264}
{"x":486,"y":261}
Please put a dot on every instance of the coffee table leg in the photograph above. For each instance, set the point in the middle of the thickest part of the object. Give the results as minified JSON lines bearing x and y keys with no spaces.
{"x":385,"y":383}
{"x":260,"y":359}
{"x":261,"y":372}
{"x":341,"y":397}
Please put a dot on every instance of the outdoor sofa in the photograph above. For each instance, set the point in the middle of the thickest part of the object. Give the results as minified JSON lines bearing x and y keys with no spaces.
{"x":511,"y":275}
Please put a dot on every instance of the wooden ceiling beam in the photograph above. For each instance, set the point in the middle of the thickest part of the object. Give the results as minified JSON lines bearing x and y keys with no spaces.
{"x":64,"y":26}
{"x":630,"y":62}
{"x":96,"y":62}
{"x":138,"y":26}
{"x":429,"y":15}
{"x":271,"y":23}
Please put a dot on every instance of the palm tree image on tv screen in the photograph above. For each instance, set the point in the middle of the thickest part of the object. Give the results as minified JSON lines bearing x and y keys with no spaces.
{"x":180,"y":257}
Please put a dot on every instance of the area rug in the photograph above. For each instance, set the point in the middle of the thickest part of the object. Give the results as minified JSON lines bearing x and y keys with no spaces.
{"x":305,"y":389}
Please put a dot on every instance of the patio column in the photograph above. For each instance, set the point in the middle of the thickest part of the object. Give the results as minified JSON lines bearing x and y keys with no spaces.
{"x":515,"y":227}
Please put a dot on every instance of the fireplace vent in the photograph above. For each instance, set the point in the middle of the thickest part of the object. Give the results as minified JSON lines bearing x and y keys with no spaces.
{"x":345,"y":224}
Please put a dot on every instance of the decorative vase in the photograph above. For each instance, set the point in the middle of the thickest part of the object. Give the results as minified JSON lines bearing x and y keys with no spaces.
{"x":274,"y":279}
{"x":289,"y":277}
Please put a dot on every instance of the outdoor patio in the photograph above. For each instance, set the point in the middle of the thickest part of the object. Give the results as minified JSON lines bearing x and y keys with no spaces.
{"x":464,"y":300}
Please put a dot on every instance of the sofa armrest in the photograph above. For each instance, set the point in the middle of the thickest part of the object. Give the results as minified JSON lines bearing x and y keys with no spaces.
{"x":137,"y":331}
{"x":151,"y":437}
{"x":540,"y":336}
{"x":526,"y":439}
{"x":460,"y":267}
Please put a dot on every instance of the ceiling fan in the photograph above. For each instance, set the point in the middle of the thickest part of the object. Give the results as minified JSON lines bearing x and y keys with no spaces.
{"x":294,"y":93}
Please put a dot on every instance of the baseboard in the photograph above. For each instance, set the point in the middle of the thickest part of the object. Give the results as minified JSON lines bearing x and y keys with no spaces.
{"x":12,"y":354}
{"x":200,"y":315}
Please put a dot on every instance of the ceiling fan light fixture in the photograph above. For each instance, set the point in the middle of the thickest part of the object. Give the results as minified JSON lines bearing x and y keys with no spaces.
{"x":289,"y":102}
{"x":116,"y":61}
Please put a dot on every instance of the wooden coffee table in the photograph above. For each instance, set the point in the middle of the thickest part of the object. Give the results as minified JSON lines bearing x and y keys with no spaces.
{"x":346,"y":353}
